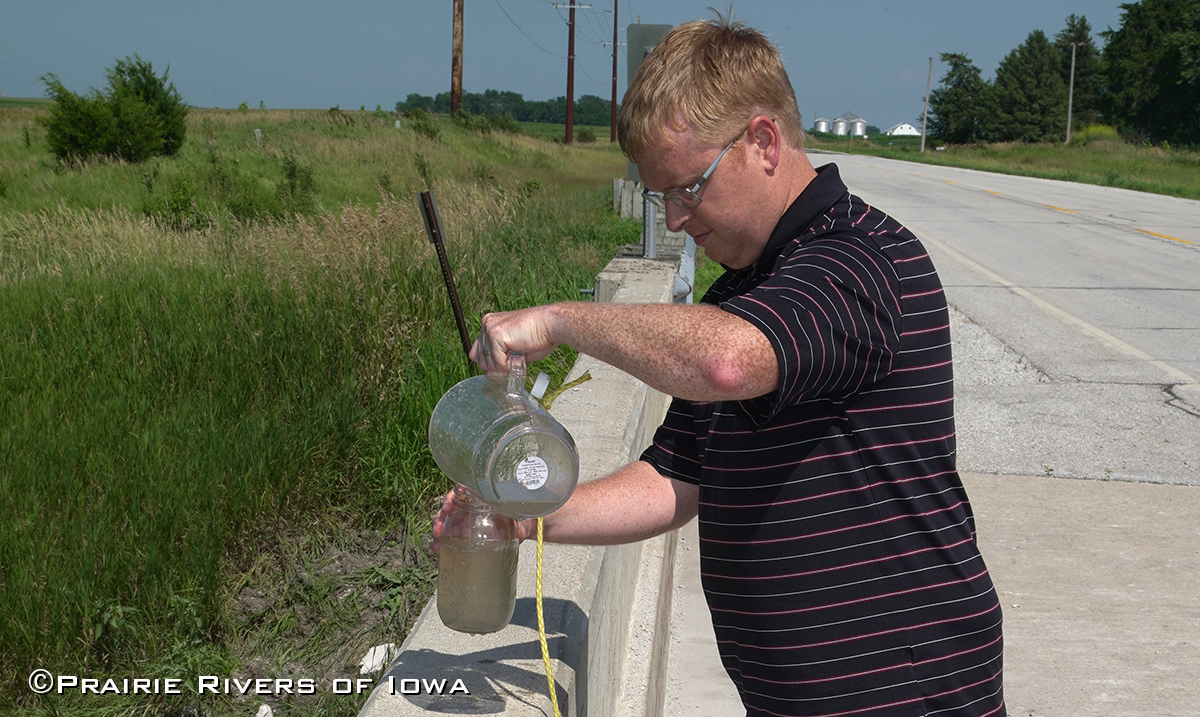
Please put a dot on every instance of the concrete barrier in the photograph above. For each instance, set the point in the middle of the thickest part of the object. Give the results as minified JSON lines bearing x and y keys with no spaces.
{"x":606,"y":609}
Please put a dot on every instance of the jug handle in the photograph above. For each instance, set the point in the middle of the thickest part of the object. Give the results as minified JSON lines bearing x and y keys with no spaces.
{"x":516,"y":374}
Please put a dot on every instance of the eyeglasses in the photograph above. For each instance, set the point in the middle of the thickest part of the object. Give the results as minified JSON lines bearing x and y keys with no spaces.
{"x":689,"y":198}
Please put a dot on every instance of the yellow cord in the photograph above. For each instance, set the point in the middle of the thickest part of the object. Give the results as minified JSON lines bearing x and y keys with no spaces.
{"x":542,"y":626}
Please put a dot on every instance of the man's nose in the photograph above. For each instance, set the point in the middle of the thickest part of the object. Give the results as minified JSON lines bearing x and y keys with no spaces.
{"x":677,"y":216}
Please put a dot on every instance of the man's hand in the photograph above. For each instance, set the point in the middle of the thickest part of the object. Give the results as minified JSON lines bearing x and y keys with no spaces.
{"x":526,"y":330}
{"x":525,"y":528}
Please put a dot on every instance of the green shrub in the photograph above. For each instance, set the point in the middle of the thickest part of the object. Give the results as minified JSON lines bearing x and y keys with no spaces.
{"x":422,"y":123}
{"x":195,"y":195}
{"x":503,"y":123}
{"x":1095,"y":133}
{"x":78,"y":126}
{"x":179,"y":207}
{"x":585,"y":135}
{"x":133,"y":82}
{"x":139,"y":117}
{"x":297,"y":192}
{"x":485,"y":123}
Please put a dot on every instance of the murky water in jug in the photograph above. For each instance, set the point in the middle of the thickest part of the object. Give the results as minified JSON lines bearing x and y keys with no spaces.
{"x":469,"y":583}
{"x":477,"y":566}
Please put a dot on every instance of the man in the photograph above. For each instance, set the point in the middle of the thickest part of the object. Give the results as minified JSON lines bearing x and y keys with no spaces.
{"x":812,"y":428}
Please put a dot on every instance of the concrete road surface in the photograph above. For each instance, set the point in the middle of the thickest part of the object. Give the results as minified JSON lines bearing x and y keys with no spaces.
{"x":1092,"y":292}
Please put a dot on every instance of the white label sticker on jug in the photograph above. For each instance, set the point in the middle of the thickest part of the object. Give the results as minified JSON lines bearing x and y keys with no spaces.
{"x":532,"y":472}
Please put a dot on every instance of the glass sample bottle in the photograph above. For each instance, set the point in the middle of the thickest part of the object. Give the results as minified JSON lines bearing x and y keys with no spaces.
{"x":477,"y":566}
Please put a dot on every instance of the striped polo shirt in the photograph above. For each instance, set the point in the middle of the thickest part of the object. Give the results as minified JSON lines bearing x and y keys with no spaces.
{"x":837,"y":545}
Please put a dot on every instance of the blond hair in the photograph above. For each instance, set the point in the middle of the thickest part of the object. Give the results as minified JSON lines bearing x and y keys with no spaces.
{"x":712,"y":77}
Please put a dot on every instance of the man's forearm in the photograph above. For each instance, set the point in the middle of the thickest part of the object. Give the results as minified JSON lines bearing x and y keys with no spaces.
{"x":699,"y":353}
{"x":634,"y":503}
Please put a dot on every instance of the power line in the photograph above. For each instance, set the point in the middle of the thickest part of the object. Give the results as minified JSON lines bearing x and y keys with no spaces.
{"x":592,"y":28}
{"x":514,"y":22}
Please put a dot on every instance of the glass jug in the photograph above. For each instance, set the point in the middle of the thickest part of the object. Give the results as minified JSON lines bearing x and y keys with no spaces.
{"x":477,"y":566}
{"x":488,"y":434}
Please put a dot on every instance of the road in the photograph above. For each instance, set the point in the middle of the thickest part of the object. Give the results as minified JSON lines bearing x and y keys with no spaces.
{"x":1076,"y":317}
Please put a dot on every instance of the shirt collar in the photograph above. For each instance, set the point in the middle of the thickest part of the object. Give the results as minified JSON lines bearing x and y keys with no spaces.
{"x":821,"y":193}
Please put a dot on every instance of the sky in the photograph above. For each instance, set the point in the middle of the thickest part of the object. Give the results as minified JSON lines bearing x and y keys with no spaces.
{"x":870,"y":57}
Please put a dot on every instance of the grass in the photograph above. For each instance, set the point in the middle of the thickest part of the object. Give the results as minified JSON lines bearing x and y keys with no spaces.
{"x":215,"y":377}
{"x":41,"y":102}
{"x":556,"y":132}
{"x":1093,"y":158}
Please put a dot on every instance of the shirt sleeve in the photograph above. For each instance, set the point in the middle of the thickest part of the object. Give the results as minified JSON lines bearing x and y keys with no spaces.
{"x":675,"y":451}
{"x":831,"y":311}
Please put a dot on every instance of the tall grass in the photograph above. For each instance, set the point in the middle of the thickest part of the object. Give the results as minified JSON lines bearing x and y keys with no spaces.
{"x":173,"y":395}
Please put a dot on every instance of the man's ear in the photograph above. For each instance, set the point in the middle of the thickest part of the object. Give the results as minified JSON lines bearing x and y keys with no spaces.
{"x":765,"y":136}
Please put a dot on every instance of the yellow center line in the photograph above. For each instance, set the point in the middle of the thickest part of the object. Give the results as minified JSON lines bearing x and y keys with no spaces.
{"x":998,"y":194}
{"x":1189,"y":383}
{"x":1163,"y":236}
{"x":1051,"y":206}
{"x":947,"y":181}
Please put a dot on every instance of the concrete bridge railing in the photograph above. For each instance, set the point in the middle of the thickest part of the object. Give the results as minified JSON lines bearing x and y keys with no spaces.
{"x":606,"y":609}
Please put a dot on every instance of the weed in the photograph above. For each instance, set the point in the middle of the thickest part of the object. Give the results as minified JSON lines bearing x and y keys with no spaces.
{"x":298,"y":190}
{"x":179,"y":208}
{"x":427,"y":127}
{"x":148,"y":178}
{"x":339,"y":118}
{"x":111,"y":623}
{"x":483,"y":174}
{"x":422,"y":166}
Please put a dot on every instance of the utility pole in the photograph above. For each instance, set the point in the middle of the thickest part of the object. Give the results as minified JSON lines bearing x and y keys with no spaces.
{"x":570,"y":133}
{"x":612,"y":137}
{"x":1071,"y":95}
{"x":456,"y":59}
{"x":612,"y":131}
{"x":925,"y":117}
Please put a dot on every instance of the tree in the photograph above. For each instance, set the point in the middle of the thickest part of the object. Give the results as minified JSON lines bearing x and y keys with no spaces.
{"x":133,"y":87}
{"x":78,"y":126}
{"x":1151,"y":65}
{"x":1028,"y":100}
{"x":957,"y":108}
{"x":592,"y":110}
{"x":415,"y":101}
{"x":589,"y":109}
{"x":140,"y":116}
{"x":1087,"y":68}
